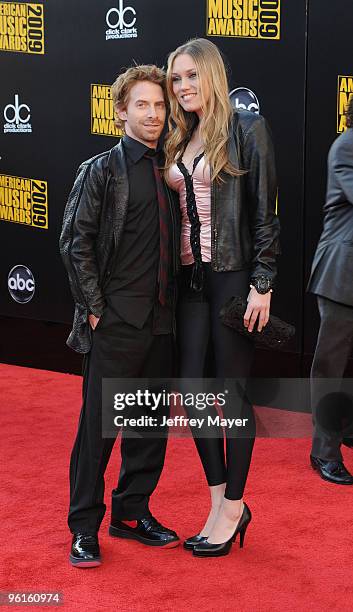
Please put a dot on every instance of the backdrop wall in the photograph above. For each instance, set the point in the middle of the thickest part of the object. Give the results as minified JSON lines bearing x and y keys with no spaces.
{"x":58,"y":61}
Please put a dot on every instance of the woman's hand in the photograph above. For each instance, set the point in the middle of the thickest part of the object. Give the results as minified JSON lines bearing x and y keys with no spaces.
{"x":258,"y":307}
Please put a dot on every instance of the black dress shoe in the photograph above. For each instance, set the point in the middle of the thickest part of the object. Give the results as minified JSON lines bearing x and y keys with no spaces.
{"x":146,"y":530}
{"x":348,"y":442}
{"x":333,"y":471}
{"x":193,"y":541}
{"x":206,"y":549}
{"x":85,"y":550}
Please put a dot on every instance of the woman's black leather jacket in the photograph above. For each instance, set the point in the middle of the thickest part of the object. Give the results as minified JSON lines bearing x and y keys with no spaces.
{"x":245,"y":227}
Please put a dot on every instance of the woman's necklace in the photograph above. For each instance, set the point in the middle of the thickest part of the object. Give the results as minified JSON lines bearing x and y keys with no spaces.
{"x":194,"y":147}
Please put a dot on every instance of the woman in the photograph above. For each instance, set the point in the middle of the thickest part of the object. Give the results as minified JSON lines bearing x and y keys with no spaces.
{"x":222,"y":165}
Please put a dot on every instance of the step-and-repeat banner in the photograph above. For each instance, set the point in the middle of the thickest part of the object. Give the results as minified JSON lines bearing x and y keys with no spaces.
{"x":58,"y":61}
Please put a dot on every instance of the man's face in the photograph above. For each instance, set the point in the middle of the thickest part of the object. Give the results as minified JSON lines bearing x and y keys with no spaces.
{"x":145,"y":113}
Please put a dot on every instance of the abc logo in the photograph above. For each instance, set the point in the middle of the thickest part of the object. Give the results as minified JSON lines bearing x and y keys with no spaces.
{"x":243,"y":98}
{"x":120,"y":17}
{"x":12,"y":112}
{"x":21,"y":284}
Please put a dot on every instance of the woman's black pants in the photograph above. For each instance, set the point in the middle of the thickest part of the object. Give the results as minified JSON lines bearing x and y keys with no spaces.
{"x":199,"y":324}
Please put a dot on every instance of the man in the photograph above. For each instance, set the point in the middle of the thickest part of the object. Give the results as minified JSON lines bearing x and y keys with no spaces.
{"x":332,"y":281}
{"x":118,"y":245}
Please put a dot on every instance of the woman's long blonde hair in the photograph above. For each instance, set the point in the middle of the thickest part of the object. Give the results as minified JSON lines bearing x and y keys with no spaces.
{"x":215,"y":122}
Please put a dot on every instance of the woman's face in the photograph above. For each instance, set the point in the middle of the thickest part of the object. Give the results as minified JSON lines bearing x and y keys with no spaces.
{"x":186,"y":84}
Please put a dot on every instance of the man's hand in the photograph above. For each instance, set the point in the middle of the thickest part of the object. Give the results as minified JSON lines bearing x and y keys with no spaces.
{"x":93,"y":321}
{"x":258,"y":307}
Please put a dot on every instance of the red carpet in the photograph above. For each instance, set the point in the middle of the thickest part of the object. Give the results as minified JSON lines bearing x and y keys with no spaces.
{"x":298,"y":550}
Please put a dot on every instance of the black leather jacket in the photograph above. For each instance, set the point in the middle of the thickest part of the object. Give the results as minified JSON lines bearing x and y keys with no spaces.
{"x":245,"y":227}
{"x":93,"y":224}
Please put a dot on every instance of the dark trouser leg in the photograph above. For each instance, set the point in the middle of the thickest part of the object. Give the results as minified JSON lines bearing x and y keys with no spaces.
{"x":118,"y":351}
{"x":234,"y":356}
{"x":143,"y":451}
{"x":334,"y":345}
{"x":89,"y":457}
{"x":193,"y":336}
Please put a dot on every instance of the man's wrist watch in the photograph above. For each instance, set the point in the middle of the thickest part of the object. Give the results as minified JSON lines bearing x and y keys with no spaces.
{"x":262,"y":284}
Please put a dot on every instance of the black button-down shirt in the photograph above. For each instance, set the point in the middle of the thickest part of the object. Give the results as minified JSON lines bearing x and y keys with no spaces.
{"x":133,"y":285}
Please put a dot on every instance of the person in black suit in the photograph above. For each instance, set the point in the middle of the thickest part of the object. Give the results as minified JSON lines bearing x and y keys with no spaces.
{"x":117,"y":243}
{"x":332,"y":281}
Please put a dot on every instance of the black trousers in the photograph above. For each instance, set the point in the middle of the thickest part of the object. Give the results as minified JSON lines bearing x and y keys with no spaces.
{"x":199,"y":324}
{"x":119,"y":350}
{"x":332,"y":409}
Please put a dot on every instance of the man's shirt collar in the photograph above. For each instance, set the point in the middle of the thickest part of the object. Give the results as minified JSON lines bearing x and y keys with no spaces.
{"x":136,"y":149}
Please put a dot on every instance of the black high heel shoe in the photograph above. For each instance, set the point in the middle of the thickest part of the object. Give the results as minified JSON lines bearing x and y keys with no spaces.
{"x":190,"y":543}
{"x":206,"y":549}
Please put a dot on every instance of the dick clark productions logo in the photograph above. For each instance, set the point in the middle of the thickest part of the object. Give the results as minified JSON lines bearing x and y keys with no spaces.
{"x":17,"y":117}
{"x":21,"y":284}
{"x":121,"y":22}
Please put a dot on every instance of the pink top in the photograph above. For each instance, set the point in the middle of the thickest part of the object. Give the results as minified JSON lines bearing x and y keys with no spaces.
{"x":202,"y":190}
